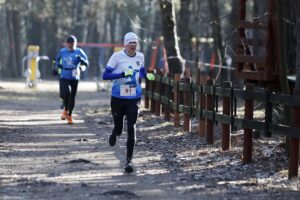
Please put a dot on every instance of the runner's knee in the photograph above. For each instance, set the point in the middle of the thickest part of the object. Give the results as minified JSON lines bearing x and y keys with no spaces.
{"x":117,"y":130}
{"x":131,"y":130}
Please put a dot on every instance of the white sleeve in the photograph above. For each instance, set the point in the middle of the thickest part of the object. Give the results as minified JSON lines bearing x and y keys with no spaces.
{"x":113,"y":61}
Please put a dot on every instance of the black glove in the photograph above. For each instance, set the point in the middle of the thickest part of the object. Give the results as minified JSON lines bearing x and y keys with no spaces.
{"x":59,"y":66}
{"x":82,"y":61}
{"x":54,"y":72}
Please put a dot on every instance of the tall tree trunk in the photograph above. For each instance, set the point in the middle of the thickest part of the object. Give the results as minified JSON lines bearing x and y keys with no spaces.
{"x":154,"y":24}
{"x":233,"y":21}
{"x":126,"y":25}
{"x":35,"y":35}
{"x":12,"y":63}
{"x":79,"y":15}
{"x":216,"y":32}
{"x":44,"y":66}
{"x":143,"y":20}
{"x":280,"y":40}
{"x":51,"y":35}
{"x":170,"y":36}
{"x":183,"y":30}
{"x":296,"y":7}
{"x":17,"y":36}
{"x":283,"y":10}
{"x":291,"y":38}
{"x":259,"y":8}
{"x":34,"y":30}
{"x":3,"y":41}
{"x":93,"y":36}
{"x":112,"y":22}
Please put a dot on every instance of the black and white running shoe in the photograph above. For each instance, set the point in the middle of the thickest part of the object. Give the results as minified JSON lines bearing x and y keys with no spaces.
{"x":128,"y":167}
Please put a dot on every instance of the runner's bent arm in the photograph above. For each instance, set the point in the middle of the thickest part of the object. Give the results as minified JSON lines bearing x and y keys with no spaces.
{"x":83,"y":58}
{"x":108,"y":75}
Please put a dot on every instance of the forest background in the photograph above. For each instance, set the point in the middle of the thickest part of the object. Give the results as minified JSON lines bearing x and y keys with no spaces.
{"x":47,"y":23}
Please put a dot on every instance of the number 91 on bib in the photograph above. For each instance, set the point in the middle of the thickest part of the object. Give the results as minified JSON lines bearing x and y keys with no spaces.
{"x":127,"y":90}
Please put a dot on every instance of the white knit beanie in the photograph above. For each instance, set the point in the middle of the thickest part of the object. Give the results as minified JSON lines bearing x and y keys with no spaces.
{"x":130,"y":37}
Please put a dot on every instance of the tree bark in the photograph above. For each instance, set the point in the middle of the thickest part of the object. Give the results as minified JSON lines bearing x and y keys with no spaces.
{"x":12,"y":63}
{"x":183,"y":29}
{"x":282,"y":10}
{"x":233,"y":21}
{"x":216,"y":32}
{"x":112,"y":22}
{"x":259,"y":8}
{"x":297,"y":32}
{"x":170,"y":36}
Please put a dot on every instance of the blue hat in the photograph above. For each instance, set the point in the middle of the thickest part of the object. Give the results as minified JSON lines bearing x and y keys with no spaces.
{"x":72,"y":39}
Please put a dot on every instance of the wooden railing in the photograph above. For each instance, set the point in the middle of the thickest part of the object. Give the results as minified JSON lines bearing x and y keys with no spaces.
{"x":174,"y":95}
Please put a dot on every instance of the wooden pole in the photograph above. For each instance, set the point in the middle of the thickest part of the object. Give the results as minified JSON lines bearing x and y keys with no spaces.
{"x":152,"y":90}
{"x":146,"y":95}
{"x":294,"y":142}
{"x":201,"y":105}
{"x":168,"y":94}
{"x":268,"y":114}
{"x":226,"y":141}
{"x":247,"y":145}
{"x":157,"y":90}
{"x":209,"y":122}
{"x":187,"y":102}
{"x":148,"y":89}
{"x":176,"y":100}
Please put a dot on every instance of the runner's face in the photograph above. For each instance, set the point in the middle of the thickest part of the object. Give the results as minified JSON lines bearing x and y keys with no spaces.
{"x":131,"y":48}
{"x":71,"y":45}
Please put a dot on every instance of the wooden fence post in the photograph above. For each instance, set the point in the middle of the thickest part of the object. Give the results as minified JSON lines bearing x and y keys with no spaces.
{"x":226,"y":140}
{"x":294,"y":142}
{"x":234,"y":110}
{"x":247,"y":145}
{"x":187,"y":102}
{"x":268,"y":114}
{"x":148,"y":89}
{"x":152,"y":90}
{"x":146,"y":95}
{"x":209,"y":122}
{"x":158,"y":91}
{"x":176,"y":100}
{"x":201,"y":105}
{"x":168,"y":93}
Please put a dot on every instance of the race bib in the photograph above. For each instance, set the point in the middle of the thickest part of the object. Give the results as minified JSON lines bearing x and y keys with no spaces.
{"x":127,"y":90}
{"x":76,"y":73}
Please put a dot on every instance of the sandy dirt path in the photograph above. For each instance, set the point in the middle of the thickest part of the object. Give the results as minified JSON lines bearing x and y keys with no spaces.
{"x":44,"y":158}
{"x":41,"y":157}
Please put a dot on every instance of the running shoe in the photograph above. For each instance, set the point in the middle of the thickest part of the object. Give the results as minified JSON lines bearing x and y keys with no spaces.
{"x":64,"y":115}
{"x":112,"y":140}
{"x":128,"y":167}
{"x":70,"y":120}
